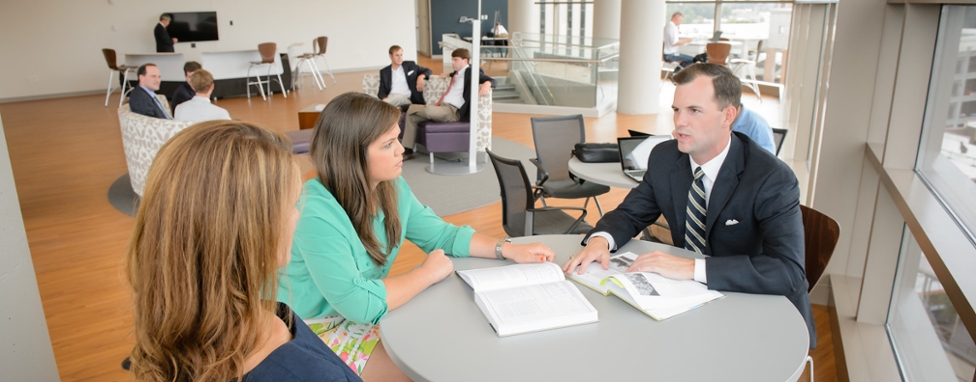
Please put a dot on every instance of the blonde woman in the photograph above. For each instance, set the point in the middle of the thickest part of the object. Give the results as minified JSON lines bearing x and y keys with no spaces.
{"x":356,"y":215}
{"x":214,"y":226}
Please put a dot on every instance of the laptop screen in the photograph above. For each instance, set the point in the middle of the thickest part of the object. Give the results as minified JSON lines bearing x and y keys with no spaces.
{"x":716,"y":36}
{"x":634,"y":151}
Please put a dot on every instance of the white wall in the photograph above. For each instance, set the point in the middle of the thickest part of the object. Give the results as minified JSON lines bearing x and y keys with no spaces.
{"x":60,"y":41}
{"x":25,"y":346}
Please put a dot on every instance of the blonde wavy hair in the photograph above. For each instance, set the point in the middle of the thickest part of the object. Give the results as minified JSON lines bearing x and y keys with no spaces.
{"x":203,"y":257}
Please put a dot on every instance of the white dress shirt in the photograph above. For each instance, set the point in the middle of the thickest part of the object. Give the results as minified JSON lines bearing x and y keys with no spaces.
{"x":399,"y":85}
{"x":670,"y":38}
{"x":455,"y":95}
{"x":199,"y":109}
{"x":711,"y":169}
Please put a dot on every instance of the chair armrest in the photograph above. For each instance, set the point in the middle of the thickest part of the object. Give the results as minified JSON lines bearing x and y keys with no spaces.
{"x":531,"y":227}
{"x":545,"y":174}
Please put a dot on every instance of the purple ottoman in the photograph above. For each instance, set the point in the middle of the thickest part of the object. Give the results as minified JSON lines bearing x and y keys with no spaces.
{"x":444,"y":137}
{"x":301,"y":140}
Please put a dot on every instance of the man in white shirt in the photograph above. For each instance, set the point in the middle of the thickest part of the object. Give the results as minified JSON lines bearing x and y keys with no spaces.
{"x":725,"y":197}
{"x":453,"y":106}
{"x":199,"y":108}
{"x":402,"y":82}
{"x":672,"y":42}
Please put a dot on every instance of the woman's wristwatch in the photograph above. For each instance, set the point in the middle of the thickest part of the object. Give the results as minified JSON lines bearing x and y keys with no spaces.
{"x":498,"y":247}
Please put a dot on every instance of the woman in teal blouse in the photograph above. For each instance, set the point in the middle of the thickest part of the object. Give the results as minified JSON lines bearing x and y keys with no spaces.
{"x":355,"y":216}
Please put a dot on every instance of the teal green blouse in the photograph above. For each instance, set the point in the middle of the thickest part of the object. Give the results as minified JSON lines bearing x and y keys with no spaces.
{"x":330,"y":273}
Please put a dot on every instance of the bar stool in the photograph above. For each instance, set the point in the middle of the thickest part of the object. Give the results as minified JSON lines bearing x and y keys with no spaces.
{"x":319,"y":44}
{"x":268,"y":51}
{"x":309,"y":59}
{"x":123,"y":71}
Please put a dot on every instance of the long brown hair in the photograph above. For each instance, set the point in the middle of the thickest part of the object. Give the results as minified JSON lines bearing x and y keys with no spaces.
{"x":203,"y":257}
{"x":343,"y":133}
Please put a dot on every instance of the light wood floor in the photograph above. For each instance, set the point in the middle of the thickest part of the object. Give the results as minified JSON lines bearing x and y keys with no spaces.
{"x":65,"y":154}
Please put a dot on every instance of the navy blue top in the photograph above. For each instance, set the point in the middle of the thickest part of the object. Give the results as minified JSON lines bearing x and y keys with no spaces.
{"x":304,"y":358}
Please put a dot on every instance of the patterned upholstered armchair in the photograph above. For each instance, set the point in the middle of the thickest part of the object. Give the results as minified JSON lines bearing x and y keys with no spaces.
{"x":142,"y":137}
{"x":436,"y":86}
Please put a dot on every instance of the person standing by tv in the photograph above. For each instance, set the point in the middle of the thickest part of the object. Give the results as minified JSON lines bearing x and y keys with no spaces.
{"x":164,"y":43}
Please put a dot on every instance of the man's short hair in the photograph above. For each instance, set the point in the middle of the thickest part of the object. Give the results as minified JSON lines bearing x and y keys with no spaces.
{"x":395,"y":48}
{"x":201,"y":80}
{"x":462,"y":53}
{"x":676,"y":14}
{"x":191,"y":66}
{"x":728,"y":88}
{"x":142,"y":69}
{"x":165,"y":17}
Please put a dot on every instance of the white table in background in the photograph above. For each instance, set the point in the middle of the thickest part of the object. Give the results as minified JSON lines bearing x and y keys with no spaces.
{"x":441,"y":335}
{"x":607,"y":174}
{"x":234,"y":64}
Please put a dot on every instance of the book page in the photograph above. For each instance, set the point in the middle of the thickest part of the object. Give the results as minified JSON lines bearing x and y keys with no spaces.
{"x":484,"y":279}
{"x":595,"y":274}
{"x":536,"y":307}
{"x":651,"y":291}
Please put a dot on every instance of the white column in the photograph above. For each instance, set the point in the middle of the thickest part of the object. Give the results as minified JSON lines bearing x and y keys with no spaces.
{"x":641,"y":36}
{"x":523,"y":16}
{"x":606,"y":19}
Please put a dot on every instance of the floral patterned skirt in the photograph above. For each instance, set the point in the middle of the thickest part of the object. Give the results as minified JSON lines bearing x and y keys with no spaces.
{"x":351,"y":341}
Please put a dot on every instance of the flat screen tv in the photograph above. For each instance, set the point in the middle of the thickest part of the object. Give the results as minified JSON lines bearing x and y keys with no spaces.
{"x":193,"y":26}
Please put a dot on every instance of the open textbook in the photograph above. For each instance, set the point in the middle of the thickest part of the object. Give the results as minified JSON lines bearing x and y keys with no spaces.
{"x":651,"y":293}
{"x":524,"y":298}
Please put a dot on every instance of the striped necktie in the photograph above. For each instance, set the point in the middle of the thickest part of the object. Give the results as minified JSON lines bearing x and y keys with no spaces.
{"x":695,"y":215}
{"x":160,"y":105}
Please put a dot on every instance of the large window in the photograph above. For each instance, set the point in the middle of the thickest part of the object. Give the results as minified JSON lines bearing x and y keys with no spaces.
{"x":758,"y":31}
{"x":947,"y":158}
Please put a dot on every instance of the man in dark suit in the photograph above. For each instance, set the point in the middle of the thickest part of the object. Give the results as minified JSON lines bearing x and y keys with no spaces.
{"x":185,"y":91}
{"x":142,"y":98}
{"x":454,"y":105}
{"x":724,"y":196}
{"x":164,"y":43}
{"x":402,"y":82}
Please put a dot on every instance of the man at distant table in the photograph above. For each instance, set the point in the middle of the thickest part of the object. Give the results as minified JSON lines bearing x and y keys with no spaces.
{"x":454,"y":105}
{"x":199,"y":108}
{"x":142,"y":99}
{"x":727,"y":199}
{"x":402,"y":82}
{"x":164,"y":43}
{"x":672,"y":42}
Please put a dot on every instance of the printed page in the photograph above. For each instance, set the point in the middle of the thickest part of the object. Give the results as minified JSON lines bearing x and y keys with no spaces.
{"x":536,"y":307}
{"x":651,"y":291}
{"x":595,"y":274}
{"x":484,"y":279}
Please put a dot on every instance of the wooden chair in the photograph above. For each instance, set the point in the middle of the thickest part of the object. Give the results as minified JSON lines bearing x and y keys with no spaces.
{"x":718,"y":52}
{"x":820,"y":234}
{"x":114,"y":67}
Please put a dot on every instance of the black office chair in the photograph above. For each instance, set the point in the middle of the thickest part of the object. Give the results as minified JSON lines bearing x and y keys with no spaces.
{"x":778,"y":136}
{"x":520,"y":217}
{"x":554,"y":139}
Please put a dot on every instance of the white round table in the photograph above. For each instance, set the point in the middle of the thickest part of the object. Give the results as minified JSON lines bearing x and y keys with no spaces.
{"x":607,"y":174}
{"x":441,"y":335}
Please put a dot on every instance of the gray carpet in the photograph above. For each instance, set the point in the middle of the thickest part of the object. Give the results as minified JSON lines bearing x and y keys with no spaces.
{"x":445,"y":195}
{"x":122,"y":197}
{"x":448,"y":195}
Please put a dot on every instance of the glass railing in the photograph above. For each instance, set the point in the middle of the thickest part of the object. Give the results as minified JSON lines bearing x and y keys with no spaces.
{"x":550,"y":70}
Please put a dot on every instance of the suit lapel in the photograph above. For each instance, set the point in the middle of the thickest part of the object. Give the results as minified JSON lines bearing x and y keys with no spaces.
{"x":728,"y":179}
{"x":680,"y":184}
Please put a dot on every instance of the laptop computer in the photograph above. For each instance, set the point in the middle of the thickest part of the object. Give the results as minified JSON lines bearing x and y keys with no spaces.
{"x":716,"y":37}
{"x":634,"y":152}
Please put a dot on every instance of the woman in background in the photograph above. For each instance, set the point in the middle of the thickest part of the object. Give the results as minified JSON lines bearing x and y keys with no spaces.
{"x":357,"y":213}
{"x":214,"y":226}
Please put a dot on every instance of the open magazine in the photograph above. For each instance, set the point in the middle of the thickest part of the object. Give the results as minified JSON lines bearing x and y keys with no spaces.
{"x":651,"y":293}
{"x":523,"y":298}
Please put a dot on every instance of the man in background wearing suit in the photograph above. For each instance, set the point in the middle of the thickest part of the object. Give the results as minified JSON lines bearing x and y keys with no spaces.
{"x":724,"y":196}
{"x":164,"y":43}
{"x":402,"y":82}
{"x":142,"y":99}
{"x":454,"y":105}
{"x":185,"y":92}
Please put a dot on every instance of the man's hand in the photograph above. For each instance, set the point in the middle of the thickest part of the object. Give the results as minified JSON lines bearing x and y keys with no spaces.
{"x":175,"y":40}
{"x":684,"y":41}
{"x":420,"y":83}
{"x":672,"y":267}
{"x":597,"y":249}
{"x":484,"y":89}
{"x":528,"y":253}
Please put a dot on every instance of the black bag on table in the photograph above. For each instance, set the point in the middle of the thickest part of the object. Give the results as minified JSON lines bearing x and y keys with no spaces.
{"x":597,"y":152}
